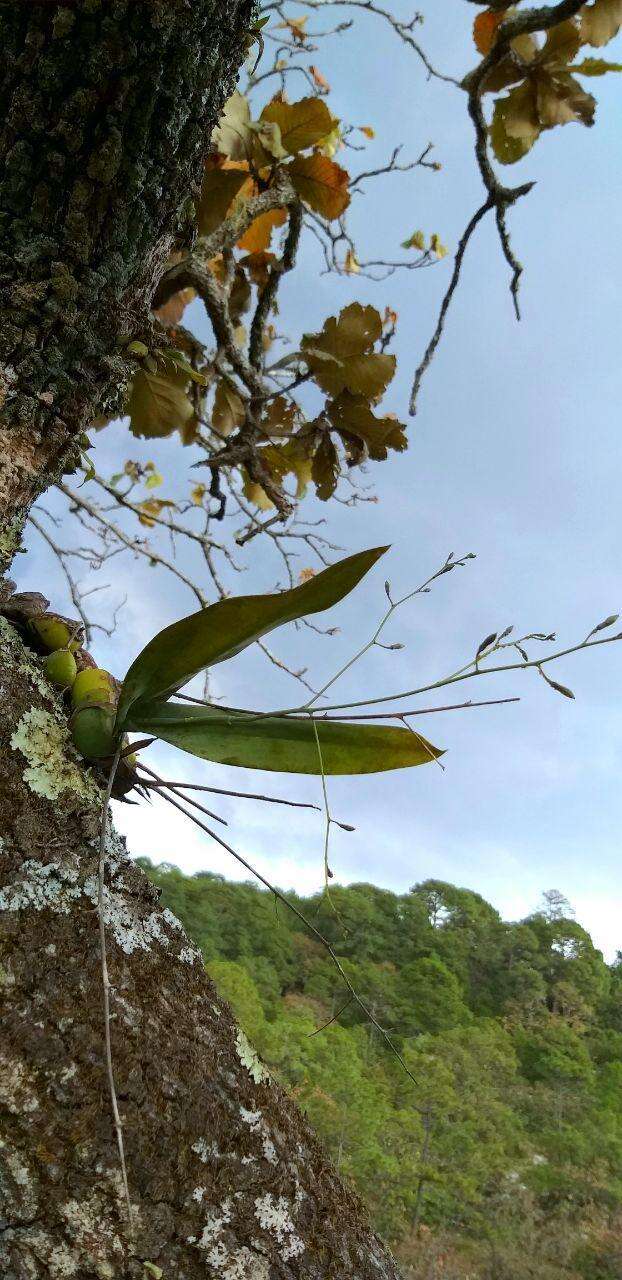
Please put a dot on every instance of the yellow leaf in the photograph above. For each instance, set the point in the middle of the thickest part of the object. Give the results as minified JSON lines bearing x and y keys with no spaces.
{"x":521,"y":116}
{"x":155,"y":479}
{"x":302,"y":124}
{"x":228,"y":410}
{"x":151,"y":507}
{"x":158,"y":405}
{"x":415,"y":241}
{"x":351,"y":265}
{"x":321,"y":183}
{"x":367,"y":130}
{"x":437,"y":246}
{"x":509,"y":148}
{"x":197,"y":494}
{"x":255,"y":494}
{"x":268,"y":135}
{"x":600,"y":22}
{"x":258,"y":236}
{"x":233,"y":135}
{"x":332,"y":143}
{"x":220,"y":188}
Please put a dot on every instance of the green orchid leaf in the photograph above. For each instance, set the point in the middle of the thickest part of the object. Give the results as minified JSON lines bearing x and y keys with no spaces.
{"x":284,"y":744}
{"x":180,"y":651}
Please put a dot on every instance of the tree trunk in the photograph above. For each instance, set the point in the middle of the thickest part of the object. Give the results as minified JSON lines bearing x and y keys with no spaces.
{"x":108,"y":105}
{"x":225,"y":1176}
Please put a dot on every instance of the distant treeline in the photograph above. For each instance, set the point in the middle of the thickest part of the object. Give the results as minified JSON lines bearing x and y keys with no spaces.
{"x":506,"y":1162}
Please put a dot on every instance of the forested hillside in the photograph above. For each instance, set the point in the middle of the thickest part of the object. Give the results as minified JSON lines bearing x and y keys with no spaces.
{"x":506,"y":1160}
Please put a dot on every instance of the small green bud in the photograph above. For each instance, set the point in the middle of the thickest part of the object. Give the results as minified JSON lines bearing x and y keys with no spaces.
{"x":61,"y":668}
{"x":92,"y":731}
{"x":94,"y":684}
{"x":55,"y":632}
{"x":137,"y":349}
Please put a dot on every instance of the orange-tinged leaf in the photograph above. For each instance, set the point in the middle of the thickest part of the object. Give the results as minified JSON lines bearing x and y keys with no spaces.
{"x":485,"y":29}
{"x":296,"y":27}
{"x":172,"y":311}
{"x":302,"y":124}
{"x":320,"y":80}
{"x":367,"y":130}
{"x":258,"y":265}
{"x":351,"y":265}
{"x":321,"y":183}
{"x":258,"y":236}
{"x":151,"y":508}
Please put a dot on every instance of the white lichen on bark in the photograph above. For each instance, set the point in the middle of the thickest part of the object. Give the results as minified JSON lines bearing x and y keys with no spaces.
{"x":250,"y":1059}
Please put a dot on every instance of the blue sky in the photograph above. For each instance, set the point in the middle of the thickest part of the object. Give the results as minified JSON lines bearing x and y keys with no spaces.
{"x":514,"y":455}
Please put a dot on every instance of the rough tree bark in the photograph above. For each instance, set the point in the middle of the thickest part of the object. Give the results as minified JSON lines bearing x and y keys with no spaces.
{"x":106,"y":109}
{"x":107,"y":105}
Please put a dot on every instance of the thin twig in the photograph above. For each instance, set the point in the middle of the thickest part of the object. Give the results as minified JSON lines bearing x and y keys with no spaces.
{"x":240,"y":795}
{"x":451,"y":289}
{"x":307,"y":923}
{"x":331,"y":1020}
{"x":162,"y":783}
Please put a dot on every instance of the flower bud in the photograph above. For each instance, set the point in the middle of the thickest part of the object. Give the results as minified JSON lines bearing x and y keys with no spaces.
{"x":94,"y":684}
{"x":55,"y":632}
{"x":92,"y":731}
{"x":61,"y":668}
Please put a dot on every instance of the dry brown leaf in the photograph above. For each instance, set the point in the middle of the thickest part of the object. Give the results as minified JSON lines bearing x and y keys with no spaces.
{"x":600,"y":22}
{"x":228,"y":410}
{"x":220,"y":187}
{"x":340,"y":357}
{"x":321,"y":183}
{"x":320,"y":80}
{"x":352,"y":416}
